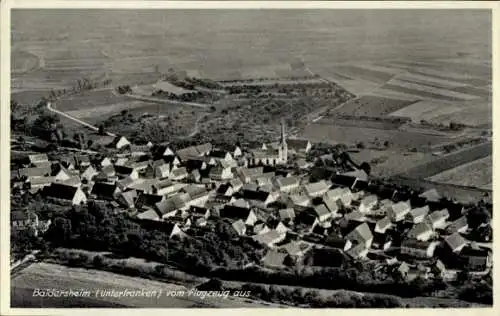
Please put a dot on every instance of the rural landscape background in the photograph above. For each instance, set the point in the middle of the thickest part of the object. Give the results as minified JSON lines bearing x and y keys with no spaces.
{"x":420,"y":81}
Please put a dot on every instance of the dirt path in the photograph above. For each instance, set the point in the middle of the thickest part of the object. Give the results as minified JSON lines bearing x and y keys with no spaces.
{"x":74,"y":119}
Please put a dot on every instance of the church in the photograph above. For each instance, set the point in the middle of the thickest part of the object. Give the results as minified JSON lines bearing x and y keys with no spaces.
{"x":271,"y":156}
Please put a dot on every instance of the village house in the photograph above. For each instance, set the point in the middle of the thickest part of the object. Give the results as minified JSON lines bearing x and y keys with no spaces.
{"x":438,"y":219}
{"x":82,"y":161}
{"x":358,"y":251}
{"x":65,"y":193}
{"x":126,"y":172}
{"x":104,"y":191}
{"x":476,"y":259}
{"x":37,"y":158}
{"x":219,"y":173}
{"x":383,"y":225}
{"x":316,"y":189}
{"x":421,"y":231}
{"x":298,"y":201}
{"x":38,"y":183}
{"x":455,"y":242}
{"x":417,"y":215}
{"x":360,"y":235}
{"x":30,"y":173}
{"x":88,"y":173}
{"x":298,"y":146}
{"x":367,"y":204}
{"x":458,"y":226}
{"x":397,"y":212}
{"x":302,"y":164}
{"x":259,"y":198}
{"x":148,"y":215}
{"x":105,"y":161}
{"x":246,"y":174}
{"x":431,"y":195}
{"x":287,"y":215}
{"x":418,"y":249}
{"x":296,"y":249}
{"x":260,"y":228}
{"x":178,"y":173}
{"x":322,"y":213}
{"x":220,"y":155}
{"x":147,"y":201}
{"x":345,"y":181}
{"x":332,"y":207}
{"x":170,"y":207}
{"x":343,"y":196}
{"x":381,"y":241}
{"x":270,"y":238}
{"x":240,"y":227}
{"x":127,"y":199}
{"x":22,"y":220}
{"x":233,"y":212}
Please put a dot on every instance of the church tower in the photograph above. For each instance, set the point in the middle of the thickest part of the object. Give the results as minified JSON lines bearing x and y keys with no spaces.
{"x":283,"y":145}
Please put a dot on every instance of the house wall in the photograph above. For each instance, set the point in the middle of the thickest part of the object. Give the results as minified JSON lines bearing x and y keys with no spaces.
{"x":79,"y":198}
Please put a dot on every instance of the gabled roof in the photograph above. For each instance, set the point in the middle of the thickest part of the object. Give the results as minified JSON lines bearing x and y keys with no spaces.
{"x":331,"y":205}
{"x":217,"y":153}
{"x":361,"y":234}
{"x":415,"y":244}
{"x":355,"y":216}
{"x":369,"y":199}
{"x":383,"y":224}
{"x":147,"y":200}
{"x":268,"y":238}
{"x":236,"y":183}
{"x":337,"y":193}
{"x":315,"y":187}
{"x":431,"y":195}
{"x":60,"y":191}
{"x":401,"y":208}
{"x":321,"y":210}
{"x":38,"y":158}
{"x":148,"y":215}
{"x":359,"y":174}
{"x":235,"y":212}
{"x":457,"y":225}
{"x":438,"y":215}
{"x":42,"y":180}
{"x":178,"y":172}
{"x":421,"y":211}
{"x":419,"y":229}
{"x":287,"y":213}
{"x":103,"y":189}
{"x":255,"y":195}
{"x":174,"y":203}
{"x":344,"y":180}
{"x":34,"y":172}
{"x":129,"y":197}
{"x":299,"y":199}
{"x":455,"y":241}
{"x":356,"y":251}
{"x":195,"y":191}
{"x":297,"y":144}
{"x":123,"y":170}
{"x":294,"y":248}
{"x":239,"y":226}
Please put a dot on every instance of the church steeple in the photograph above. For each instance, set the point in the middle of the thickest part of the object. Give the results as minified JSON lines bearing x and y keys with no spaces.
{"x":283,"y":145}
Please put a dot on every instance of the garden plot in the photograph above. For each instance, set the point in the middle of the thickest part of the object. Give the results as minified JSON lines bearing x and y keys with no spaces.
{"x":372,"y":106}
{"x":478,"y":174}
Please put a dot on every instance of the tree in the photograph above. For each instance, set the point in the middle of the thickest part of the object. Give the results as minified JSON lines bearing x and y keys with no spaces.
{"x":360,"y":145}
{"x":387,"y":144}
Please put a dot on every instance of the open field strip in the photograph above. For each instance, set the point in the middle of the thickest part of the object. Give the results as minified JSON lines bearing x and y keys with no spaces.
{"x":431,"y":81}
{"x":380,"y":68}
{"x":351,"y":135}
{"x":89,"y":100}
{"x":105,"y":110}
{"x":386,"y":93}
{"x":425,"y":110}
{"x":450,"y":161}
{"x":431,"y":90}
{"x":478,"y":173}
{"x":363,"y":73}
{"x":473,"y":117}
{"x":478,"y":91}
{"x":372,"y":106}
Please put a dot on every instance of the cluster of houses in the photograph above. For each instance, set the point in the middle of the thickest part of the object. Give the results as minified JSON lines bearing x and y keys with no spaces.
{"x":266,"y":197}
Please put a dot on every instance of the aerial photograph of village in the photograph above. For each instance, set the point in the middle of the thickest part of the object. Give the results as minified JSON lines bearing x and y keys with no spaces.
{"x":229,"y":158}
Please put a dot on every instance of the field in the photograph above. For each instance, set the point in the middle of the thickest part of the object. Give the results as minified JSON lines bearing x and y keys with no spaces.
{"x":41,"y":275}
{"x":450,"y":161}
{"x":369,"y":105}
{"x":479,"y":173}
{"x":351,"y":135}
{"x":89,"y":100}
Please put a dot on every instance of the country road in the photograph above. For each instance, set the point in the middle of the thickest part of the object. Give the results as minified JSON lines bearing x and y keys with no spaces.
{"x":162,"y":101}
{"x":92,"y":127}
